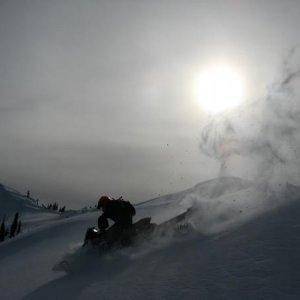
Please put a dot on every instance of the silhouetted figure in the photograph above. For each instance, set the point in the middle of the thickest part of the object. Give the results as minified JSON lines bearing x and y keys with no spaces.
{"x":14,"y":226}
{"x":121,"y":212}
{"x":28,"y":194}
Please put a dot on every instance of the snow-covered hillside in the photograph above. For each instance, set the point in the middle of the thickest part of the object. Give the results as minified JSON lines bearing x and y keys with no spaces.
{"x":31,"y":215}
{"x":221,"y":203}
{"x":246,"y":245}
{"x":12,"y":201}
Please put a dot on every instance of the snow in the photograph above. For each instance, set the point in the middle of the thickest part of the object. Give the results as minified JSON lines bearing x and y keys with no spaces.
{"x":246,"y":246}
{"x":12,"y":201}
{"x":31,"y":215}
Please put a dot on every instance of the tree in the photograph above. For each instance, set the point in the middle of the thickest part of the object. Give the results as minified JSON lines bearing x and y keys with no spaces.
{"x":19,"y":227}
{"x":2,"y":230}
{"x":62,"y":209}
{"x":14,"y":225}
{"x":55,"y":206}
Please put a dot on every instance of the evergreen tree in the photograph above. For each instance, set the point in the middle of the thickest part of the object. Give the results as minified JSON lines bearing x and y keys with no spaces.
{"x":2,"y":230}
{"x":14,"y":225}
{"x":19,"y":227}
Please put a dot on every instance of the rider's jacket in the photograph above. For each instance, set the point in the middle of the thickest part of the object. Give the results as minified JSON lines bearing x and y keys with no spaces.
{"x":121,"y":212}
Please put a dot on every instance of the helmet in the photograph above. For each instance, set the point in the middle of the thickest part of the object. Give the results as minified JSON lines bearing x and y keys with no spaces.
{"x":103,"y":201}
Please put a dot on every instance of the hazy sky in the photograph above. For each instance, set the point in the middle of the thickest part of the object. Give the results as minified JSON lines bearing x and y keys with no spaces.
{"x":96,"y":96}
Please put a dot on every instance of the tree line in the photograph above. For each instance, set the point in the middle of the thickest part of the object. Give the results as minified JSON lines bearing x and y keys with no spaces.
{"x":15,"y":227}
{"x":51,"y":206}
{"x":54,"y":206}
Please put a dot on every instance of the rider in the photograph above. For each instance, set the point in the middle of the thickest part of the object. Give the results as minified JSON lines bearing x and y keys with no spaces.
{"x":121,"y":212}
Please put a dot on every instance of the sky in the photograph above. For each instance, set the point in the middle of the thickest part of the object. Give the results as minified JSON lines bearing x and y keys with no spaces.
{"x":96,"y":97}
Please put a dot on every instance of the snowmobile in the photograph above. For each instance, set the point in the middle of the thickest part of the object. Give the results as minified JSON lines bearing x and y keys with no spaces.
{"x":141,"y":230}
{"x":95,"y":242}
{"x":98,"y":238}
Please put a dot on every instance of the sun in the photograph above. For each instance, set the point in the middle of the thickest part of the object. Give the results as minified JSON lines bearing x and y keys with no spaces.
{"x":219,"y":88}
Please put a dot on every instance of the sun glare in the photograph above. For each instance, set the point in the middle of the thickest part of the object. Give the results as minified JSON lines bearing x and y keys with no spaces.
{"x":219,"y":89}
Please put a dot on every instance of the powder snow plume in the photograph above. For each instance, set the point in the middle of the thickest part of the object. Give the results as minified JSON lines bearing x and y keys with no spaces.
{"x":261,"y":139}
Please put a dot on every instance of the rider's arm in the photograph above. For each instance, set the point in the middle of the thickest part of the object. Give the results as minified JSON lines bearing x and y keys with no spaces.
{"x":102,"y":222}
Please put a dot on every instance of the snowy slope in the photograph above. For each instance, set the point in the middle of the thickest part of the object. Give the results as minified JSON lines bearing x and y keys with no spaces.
{"x":258,"y":258}
{"x":166,"y":207}
{"x":31,"y":215}
{"x":11,"y":201}
{"x":221,"y":203}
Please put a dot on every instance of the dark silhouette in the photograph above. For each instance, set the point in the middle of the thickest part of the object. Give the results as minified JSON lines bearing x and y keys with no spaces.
{"x":2,"y":230}
{"x":14,"y":226}
{"x":28,"y":194}
{"x":19,"y":227}
{"x":121,"y":212}
{"x":62,"y":209}
{"x":55,"y":206}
